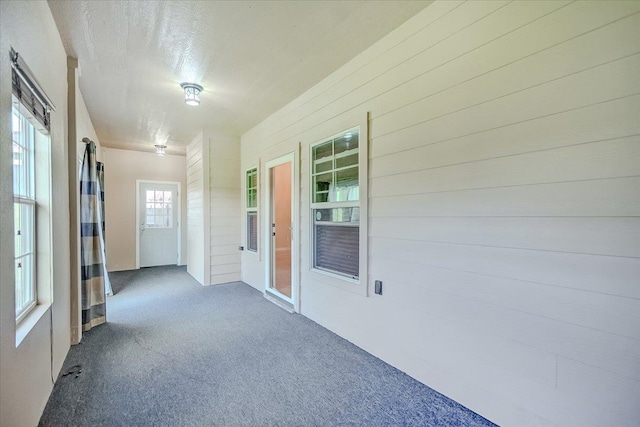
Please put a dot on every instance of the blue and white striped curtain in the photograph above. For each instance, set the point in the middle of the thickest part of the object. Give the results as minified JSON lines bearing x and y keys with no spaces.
{"x":92,"y":254}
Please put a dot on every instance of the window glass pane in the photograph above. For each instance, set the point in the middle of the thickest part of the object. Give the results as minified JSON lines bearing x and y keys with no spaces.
{"x":349,"y":158}
{"x":346,"y":188}
{"x":167,"y":196}
{"x":20,"y":285}
{"x":17,"y":230}
{"x":22,"y":152}
{"x":322,"y":157}
{"x":346,"y":143}
{"x":252,"y":188}
{"x":322,"y":184}
{"x":25,"y":289}
{"x":252,"y":178}
{"x":347,"y":177}
{"x":253,"y":199}
{"x":323,"y":166}
{"x":159,"y":196}
{"x":18,"y":169}
{"x":150,"y":195}
{"x":23,"y":228}
{"x":337,"y":215}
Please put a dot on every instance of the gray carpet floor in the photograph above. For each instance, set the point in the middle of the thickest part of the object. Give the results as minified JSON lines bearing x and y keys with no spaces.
{"x":174,"y":353}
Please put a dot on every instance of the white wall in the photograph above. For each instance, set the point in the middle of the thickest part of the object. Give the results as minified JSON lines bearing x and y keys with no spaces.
{"x":213,"y":208}
{"x":197,"y":208}
{"x":224,"y":190}
{"x":79,"y":127}
{"x":122,"y":169}
{"x":504,"y":175}
{"x":26,"y":372}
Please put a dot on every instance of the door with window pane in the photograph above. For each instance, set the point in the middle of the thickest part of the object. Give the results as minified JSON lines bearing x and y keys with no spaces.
{"x":158,"y":223}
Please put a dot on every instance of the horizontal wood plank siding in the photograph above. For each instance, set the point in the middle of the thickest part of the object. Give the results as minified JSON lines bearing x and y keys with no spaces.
{"x":225,"y":211}
{"x":195,"y":209}
{"x":504,"y":205}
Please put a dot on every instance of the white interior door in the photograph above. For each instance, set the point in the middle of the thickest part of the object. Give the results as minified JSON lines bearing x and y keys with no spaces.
{"x":158,"y":216}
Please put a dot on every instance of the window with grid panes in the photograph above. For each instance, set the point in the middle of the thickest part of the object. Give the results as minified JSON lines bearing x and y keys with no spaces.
{"x":336,"y":204}
{"x":159,"y":209}
{"x":24,"y":207}
{"x":251,"y":185}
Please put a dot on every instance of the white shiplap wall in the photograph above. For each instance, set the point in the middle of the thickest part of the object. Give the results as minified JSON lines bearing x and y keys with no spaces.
{"x":197,"y":209}
{"x":504,"y":195}
{"x":225,"y":213}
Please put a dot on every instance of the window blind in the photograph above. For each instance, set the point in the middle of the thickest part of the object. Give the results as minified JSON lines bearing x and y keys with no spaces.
{"x":26,"y":89}
{"x":252,"y":231}
{"x":337,"y":249}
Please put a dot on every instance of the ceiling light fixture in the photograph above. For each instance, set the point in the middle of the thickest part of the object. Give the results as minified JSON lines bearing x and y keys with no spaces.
{"x":160,"y":149}
{"x":191,"y":93}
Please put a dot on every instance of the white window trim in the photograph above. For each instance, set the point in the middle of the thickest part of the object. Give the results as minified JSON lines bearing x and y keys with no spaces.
{"x":43,"y":263}
{"x":294,"y":158}
{"x":359,"y":286}
{"x":27,"y":128}
{"x":248,"y":209}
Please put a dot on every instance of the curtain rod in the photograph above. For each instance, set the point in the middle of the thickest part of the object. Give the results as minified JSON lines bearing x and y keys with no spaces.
{"x":27,"y":77}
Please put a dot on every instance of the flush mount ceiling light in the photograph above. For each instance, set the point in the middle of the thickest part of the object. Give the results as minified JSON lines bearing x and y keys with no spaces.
{"x":191,"y":93}
{"x":160,"y":149}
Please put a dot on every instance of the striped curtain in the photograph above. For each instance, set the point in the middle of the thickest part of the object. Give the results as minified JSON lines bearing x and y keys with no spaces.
{"x":92,"y":262}
{"x":103,"y":242}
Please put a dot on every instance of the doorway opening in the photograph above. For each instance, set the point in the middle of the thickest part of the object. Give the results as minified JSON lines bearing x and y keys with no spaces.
{"x":280,"y":230}
{"x":158,"y":223}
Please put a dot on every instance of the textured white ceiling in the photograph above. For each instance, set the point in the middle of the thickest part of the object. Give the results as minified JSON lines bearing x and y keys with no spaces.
{"x":252,"y":57}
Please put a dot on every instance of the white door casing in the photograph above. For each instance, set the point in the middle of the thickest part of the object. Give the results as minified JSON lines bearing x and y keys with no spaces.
{"x":158,"y":223}
{"x":292,"y":231}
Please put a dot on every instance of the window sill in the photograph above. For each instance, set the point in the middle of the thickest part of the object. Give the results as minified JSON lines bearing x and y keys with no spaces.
{"x":27,"y":324}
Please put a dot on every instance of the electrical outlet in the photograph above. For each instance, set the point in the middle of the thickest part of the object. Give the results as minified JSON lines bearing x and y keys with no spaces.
{"x":378,"y":288}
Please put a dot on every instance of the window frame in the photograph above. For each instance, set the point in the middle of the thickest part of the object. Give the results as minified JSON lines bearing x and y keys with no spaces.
{"x":252,"y":210}
{"x":168,"y":219}
{"x":28,"y":199}
{"x":357,"y":285}
{"x":35,"y":107}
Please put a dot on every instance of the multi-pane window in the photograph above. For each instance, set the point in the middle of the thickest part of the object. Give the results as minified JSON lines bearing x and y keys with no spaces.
{"x":159,"y":209}
{"x":24,"y":208}
{"x":251,"y":202}
{"x":336,"y":204}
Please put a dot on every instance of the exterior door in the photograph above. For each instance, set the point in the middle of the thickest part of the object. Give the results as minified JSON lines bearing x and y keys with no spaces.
{"x":158,"y":223}
{"x":280,"y":177}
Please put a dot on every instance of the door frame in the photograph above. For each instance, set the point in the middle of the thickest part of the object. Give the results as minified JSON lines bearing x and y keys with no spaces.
{"x":178,"y":186}
{"x":292,"y":158}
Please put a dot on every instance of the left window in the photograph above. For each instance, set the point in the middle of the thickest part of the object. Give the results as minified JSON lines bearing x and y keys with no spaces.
{"x":24,"y":208}
{"x":251,"y":204}
{"x":32,"y":196}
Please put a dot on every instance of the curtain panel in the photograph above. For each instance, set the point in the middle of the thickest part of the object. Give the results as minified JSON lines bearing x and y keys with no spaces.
{"x":92,"y":262}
